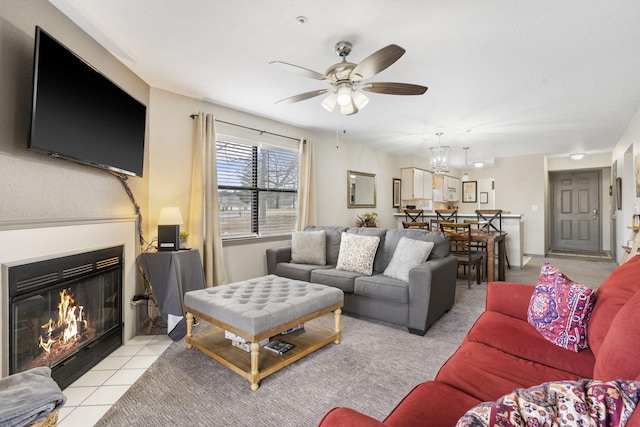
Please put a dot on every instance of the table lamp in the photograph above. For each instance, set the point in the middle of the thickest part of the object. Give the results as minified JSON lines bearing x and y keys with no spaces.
{"x":169,"y":228}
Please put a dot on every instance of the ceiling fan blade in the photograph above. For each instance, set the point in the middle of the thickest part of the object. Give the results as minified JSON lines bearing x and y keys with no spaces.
{"x":299,"y":70}
{"x":395,"y":88}
{"x":377,"y":62}
{"x":302,"y":96}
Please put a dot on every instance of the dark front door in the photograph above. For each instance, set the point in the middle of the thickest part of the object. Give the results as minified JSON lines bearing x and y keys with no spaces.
{"x":576,"y":211}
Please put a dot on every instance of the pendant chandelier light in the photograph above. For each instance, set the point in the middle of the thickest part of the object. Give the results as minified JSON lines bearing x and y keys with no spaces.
{"x":439,"y":157}
{"x":465,"y":177}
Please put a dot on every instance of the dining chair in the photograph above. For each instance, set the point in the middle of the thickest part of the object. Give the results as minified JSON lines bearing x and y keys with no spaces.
{"x":411,"y":224}
{"x":460,"y":241}
{"x":494,"y":219}
{"x":414,"y":215}
{"x":450,"y":215}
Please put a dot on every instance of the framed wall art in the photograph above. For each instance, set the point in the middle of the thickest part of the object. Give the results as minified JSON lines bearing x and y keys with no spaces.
{"x":397,"y":183}
{"x":469,"y":191}
{"x":484,"y":197}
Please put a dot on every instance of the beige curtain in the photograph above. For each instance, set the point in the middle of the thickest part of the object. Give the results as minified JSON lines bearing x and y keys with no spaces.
{"x":306,"y":187}
{"x":204,"y":212}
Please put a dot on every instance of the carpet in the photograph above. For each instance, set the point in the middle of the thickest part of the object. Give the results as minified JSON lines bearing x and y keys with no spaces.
{"x":373,"y":368}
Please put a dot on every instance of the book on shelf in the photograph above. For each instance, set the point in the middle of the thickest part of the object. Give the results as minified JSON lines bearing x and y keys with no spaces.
{"x":290,"y":330}
{"x":278,"y":346}
{"x":246,"y":346}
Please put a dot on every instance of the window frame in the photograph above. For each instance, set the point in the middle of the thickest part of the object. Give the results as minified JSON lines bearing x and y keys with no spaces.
{"x":256,"y":190}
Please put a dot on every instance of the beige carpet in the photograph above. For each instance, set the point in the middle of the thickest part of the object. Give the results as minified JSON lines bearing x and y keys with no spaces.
{"x":371,"y":370}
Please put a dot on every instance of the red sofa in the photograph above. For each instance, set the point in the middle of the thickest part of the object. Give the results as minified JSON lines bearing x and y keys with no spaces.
{"x":503,"y":352}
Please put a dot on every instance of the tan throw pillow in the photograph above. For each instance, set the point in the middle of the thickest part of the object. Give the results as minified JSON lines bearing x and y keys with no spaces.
{"x":409,"y":253}
{"x":357,"y":253}
{"x":309,"y":247}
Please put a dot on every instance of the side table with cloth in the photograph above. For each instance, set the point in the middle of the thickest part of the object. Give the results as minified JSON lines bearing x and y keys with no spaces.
{"x":171,"y":274}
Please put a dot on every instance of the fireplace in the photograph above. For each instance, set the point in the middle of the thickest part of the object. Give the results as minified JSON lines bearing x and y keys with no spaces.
{"x":65,"y":312}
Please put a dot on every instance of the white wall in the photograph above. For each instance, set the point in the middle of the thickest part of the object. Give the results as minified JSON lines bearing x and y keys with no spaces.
{"x":624,"y":153}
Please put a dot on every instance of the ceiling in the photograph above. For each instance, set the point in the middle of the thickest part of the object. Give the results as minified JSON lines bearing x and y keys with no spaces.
{"x":506,"y":77}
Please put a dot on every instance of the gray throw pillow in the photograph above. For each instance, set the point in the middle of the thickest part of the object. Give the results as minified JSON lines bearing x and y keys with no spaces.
{"x":357,"y":253}
{"x":409,"y":253}
{"x":309,"y":247}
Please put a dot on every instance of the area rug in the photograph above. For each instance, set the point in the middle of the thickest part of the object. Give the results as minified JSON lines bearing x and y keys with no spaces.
{"x":373,"y":368}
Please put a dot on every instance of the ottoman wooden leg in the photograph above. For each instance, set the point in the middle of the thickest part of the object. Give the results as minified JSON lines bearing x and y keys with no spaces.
{"x":336,"y":315}
{"x":189,"y":327}
{"x":255,"y":353}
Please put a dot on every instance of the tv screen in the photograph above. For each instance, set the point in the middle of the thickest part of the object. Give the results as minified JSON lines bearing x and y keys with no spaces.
{"x":81,"y":115}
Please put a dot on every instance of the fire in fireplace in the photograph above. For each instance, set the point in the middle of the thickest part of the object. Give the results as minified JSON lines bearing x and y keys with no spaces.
{"x":65,"y":312}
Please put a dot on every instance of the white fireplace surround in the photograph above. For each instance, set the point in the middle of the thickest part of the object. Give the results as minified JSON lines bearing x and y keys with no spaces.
{"x":28,"y":240}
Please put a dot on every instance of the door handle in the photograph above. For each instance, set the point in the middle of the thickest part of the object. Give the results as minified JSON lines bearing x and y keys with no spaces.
{"x":595,"y":214}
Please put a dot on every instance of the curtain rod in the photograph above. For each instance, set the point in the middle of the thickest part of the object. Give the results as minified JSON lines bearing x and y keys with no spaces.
{"x":193,"y":116}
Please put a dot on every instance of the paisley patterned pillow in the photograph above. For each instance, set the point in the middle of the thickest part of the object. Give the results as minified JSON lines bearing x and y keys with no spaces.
{"x":567,"y":403}
{"x":560,"y":309}
{"x":357,"y":253}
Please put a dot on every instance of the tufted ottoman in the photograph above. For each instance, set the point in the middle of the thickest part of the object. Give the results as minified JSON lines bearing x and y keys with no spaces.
{"x":261,"y":308}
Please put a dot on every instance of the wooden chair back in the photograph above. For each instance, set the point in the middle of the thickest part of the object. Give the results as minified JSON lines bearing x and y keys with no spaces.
{"x":492,"y":216}
{"x":413,"y":215}
{"x":450,"y":215}
{"x":410,"y":224}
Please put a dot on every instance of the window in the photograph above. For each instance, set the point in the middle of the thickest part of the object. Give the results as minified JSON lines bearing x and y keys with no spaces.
{"x":257,"y":189}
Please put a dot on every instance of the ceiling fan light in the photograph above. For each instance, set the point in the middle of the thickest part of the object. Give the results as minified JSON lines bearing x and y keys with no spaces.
{"x":577,"y":156}
{"x":360,"y":99}
{"x":344,"y":96}
{"x":478,"y":164}
{"x":348,"y":109}
{"x":329,"y":102}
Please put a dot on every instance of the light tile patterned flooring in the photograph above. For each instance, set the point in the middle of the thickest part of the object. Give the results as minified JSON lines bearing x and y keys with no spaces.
{"x":91,"y":396}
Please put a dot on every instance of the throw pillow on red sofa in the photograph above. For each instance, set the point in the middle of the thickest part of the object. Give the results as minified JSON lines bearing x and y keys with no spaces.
{"x":560,"y":308}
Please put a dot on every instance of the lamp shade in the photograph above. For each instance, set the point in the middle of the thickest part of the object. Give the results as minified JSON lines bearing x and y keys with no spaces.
{"x":170,"y":215}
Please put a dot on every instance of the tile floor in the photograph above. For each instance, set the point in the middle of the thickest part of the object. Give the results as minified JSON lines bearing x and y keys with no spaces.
{"x":91,"y":396}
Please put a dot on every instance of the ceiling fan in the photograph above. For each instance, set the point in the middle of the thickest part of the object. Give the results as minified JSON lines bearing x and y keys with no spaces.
{"x":347,"y":79}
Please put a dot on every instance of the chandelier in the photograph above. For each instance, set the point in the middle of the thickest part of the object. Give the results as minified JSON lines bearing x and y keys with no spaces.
{"x":439,"y":157}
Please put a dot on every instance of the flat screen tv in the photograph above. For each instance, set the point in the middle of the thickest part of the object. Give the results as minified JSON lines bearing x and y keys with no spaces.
{"x":81,"y":115}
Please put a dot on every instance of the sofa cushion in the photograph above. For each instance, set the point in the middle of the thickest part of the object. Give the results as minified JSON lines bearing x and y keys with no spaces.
{"x":492,"y":328}
{"x":380,"y":286}
{"x":560,"y":309}
{"x":441,"y":247}
{"x":431,"y":403}
{"x":619,"y":354}
{"x":613,"y":293}
{"x":357,"y":253}
{"x":309,"y":247}
{"x":487,"y":373}
{"x":341,"y":279}
{"x":409,"y":253}
{"x":377,"y":232}
{"x":334,"y":234}
{"x":298,"y":271}
{"x":594,"y":403}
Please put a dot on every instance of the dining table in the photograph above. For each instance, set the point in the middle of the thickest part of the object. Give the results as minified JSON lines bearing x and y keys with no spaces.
{"x":493,"y":239}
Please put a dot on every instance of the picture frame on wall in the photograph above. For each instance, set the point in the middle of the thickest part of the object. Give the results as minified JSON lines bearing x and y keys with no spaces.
{"x":619,"y":193}
{"x":397,"y":187}
{"x":484,"y":197}
{"x":470,"y":192}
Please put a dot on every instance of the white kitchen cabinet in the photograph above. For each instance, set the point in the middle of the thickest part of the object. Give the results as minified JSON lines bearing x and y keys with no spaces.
{"x":446,"y":188}
{"x":416,"y":184}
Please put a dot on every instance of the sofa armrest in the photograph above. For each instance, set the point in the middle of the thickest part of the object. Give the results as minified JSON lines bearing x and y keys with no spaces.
{"x":276,"y":255}
{"x":509,"y":298}
{"x":432,"y":292}
{"x":346,"y":417}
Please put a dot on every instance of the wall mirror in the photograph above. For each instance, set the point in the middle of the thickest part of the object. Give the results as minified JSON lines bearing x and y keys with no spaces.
{"x":361,"y":190}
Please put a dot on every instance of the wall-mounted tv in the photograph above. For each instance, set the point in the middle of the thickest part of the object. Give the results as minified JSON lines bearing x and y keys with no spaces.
{"x":81,"y":115}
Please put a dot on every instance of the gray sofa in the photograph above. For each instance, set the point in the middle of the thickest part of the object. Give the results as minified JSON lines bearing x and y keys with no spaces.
{"x":416,"y":304}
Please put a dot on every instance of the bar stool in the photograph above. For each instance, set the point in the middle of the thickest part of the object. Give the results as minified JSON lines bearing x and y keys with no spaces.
{"x":493,"y":216}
